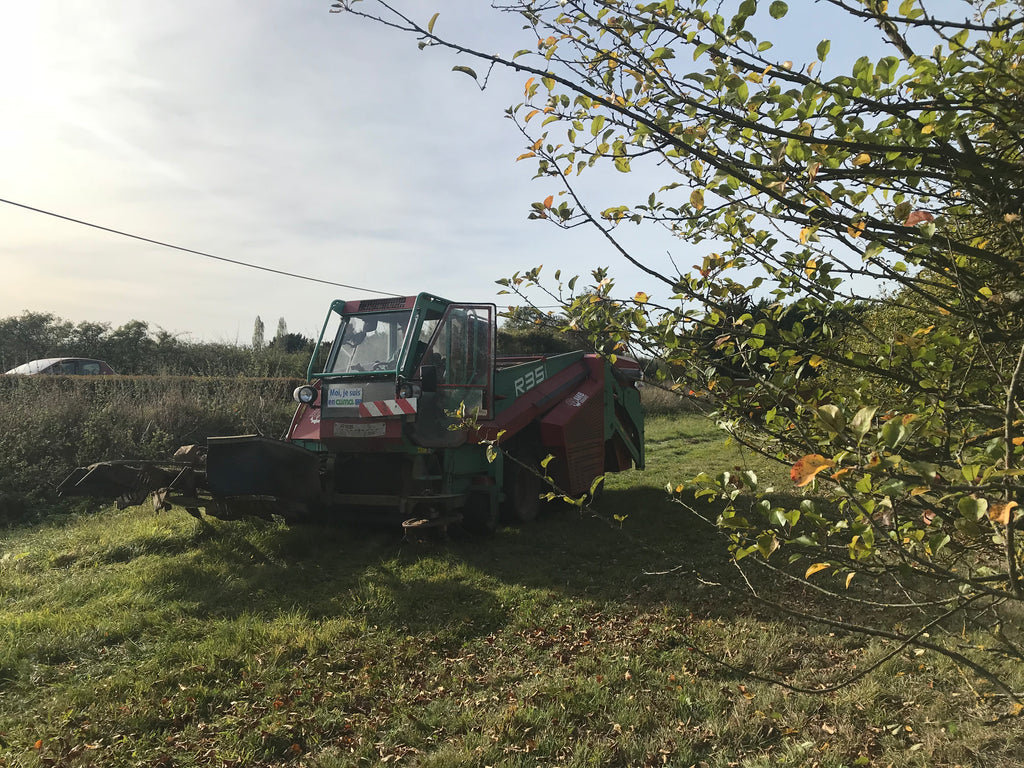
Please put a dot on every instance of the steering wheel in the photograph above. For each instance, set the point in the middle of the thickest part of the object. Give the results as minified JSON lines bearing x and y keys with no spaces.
{"x":380,"y":365}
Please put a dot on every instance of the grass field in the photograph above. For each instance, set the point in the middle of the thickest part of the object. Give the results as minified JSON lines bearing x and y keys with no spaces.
{"x":132,"y":639}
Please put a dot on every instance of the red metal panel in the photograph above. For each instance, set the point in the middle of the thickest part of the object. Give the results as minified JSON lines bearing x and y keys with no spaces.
{"x":574,"y":429}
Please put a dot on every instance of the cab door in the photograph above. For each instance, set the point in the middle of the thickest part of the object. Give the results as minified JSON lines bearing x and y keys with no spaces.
{"x":457,"y":370}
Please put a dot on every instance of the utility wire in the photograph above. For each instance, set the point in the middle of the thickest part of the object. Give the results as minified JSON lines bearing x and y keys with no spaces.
{"x":197,"y":253}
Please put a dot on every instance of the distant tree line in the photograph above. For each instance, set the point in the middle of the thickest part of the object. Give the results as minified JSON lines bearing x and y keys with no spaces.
{"x":139,"y":348}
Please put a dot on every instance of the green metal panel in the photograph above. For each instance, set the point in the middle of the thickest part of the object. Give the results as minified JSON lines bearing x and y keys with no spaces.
{"x":516,"y":380}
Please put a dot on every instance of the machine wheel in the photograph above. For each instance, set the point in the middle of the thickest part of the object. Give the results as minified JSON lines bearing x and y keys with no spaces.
{"x":523,"y":487}
{"x":477,"y":515}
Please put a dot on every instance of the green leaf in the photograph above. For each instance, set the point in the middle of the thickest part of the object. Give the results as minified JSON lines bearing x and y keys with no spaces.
{"x":778,"y":9}
{"x":823,"y":48}
{"x":430,"y":24}
{"x":467,"y":70}
{"x":832,"y":418}
{"x":874,"y":248}
{"x":893,"y":432}
{"x":971,"y":508}
{"x":766,"y":544}
{"x":860,"y":424}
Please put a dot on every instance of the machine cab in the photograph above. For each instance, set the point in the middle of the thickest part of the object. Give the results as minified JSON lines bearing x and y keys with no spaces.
{"x":422,"y":358}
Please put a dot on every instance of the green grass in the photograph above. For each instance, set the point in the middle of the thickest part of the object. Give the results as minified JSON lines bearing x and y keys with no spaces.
{"x":131,"y":639}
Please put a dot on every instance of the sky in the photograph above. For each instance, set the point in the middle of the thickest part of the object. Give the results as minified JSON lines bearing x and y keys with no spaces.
{"x":274,"y":133}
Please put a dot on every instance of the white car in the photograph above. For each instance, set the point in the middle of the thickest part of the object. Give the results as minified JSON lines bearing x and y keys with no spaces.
{"x":65,"y":366}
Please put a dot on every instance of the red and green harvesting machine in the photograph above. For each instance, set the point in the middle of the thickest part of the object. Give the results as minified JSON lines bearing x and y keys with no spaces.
{"x":408,"y":414}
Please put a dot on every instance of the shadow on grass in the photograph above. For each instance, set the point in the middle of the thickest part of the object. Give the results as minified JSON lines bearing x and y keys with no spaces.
{"x":637,"y":548}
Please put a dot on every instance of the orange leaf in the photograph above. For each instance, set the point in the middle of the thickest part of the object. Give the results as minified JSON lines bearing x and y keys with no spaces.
{"x":841,"y":473}
{"x":526,"y":155}
{"x":528,"y":84}
{"x":918,"y":217}
{"x":1018,"y":441}
{"x":531,"y":114}
{"x":1001,"y":513}
{"x":856,"y":230}
{"x":927,"y":516}
{"x":548,"y":201}
{"x":806,"y":468}
{"x":537,"y":143}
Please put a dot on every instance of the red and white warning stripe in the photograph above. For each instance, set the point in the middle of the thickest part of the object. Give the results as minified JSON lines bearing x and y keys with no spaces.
{"x":402,"y":407}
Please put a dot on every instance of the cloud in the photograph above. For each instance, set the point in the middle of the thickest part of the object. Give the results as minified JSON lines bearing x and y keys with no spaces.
{"x":272,"y":133}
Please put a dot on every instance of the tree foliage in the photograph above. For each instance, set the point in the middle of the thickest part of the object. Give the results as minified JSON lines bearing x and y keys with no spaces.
{"x":137,"y":348}
{"x":878,"y":211}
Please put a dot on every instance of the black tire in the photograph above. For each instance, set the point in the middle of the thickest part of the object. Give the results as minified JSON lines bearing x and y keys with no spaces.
{"x":477,"y":515}
{"x":523,"y":487}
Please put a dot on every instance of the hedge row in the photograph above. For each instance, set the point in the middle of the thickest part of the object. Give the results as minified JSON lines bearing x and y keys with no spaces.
{"x":49,"y":425}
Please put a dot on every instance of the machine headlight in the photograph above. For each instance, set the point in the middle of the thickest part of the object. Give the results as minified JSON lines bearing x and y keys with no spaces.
{"x":305,"y":394}
{"x":406,"y":391}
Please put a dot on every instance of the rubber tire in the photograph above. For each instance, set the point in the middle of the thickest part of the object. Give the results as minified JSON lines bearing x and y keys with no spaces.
{"x":477,"y":516}
{"x":522,"y":493}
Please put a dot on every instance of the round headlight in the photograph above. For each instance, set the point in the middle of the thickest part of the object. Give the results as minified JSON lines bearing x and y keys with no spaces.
{"x":305,"y":394}
{"x":406,"y":391}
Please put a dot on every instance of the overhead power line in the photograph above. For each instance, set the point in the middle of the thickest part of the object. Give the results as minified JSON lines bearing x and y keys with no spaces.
{"x":197,"y":253}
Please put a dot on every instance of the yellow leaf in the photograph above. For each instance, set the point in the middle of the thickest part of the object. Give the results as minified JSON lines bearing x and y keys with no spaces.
{"x":862,"y":159}
{"x":806,"y":468}
{"x":1009,"y":218}
{"x":813,"y":171}
{"x":849,"y":578}
{"x":919,"y":491}
{"x":430,"y":24}
{"x":928,"y":128}
{"x":810,"y":267}
{"x":815,"y":361}
{"x":526,"y":88}
{"x":1018,"y":441}
{"x":697,"y":199}
{"x":856,"y":230}
{"x":1001,"y":513}
{"x":537,"y":143}
{"x":815,"y":568}
{"x":804,"y":234}
{"x":531,"y":114}
{"x":641,"y":297}
{"x":526,"y":155}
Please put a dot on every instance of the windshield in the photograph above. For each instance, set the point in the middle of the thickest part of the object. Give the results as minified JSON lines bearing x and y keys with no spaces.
{"x":370,"y":342}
